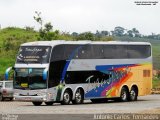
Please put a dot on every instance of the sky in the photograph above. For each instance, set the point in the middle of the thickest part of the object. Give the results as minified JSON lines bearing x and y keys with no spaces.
{"x":82,"y":15}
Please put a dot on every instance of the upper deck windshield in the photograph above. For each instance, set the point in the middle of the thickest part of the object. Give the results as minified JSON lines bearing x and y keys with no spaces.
{"x":34,"y":54}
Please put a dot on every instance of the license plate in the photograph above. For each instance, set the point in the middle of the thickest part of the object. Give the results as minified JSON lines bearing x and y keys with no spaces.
{"x":27,"y":98}
{"x":24,"y":85}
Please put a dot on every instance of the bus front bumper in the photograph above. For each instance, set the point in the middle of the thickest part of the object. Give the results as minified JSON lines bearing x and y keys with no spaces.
{"x":31,"y":98}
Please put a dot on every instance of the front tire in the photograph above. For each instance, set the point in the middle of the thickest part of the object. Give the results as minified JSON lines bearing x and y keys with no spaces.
{"x":66,"y":98}
{"x":133,"y":94}
{"x":124,"y":97}
{"x":37,"y":103}
{"x":79,"y":97}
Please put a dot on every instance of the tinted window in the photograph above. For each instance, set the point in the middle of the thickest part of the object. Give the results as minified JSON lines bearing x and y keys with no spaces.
{"x":98,"y":52}
{"x":63,"y":52}
{"x":57,"y":53}
{"x":109,"y":51}
{"x":89,"y":52}
{"x":139,"y":51}
{"x":126,"y":51}
{"x":70,"y":51}
{"x":121,"y":52}
{"x":84,"y":52}
{"x":76,"y":77}
{"x":115,"y":51}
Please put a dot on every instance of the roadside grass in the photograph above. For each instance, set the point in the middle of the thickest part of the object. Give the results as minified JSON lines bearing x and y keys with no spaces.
{"x":7,"y":59}
{"x":16,"y":36}
{"x":156,"y":82}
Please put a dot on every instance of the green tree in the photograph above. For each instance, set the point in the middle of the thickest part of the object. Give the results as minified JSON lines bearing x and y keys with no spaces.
{"x":46,"y":30}
{"x":130,"y":33}
{"x":135,"y":32}
{"x":118,"y":31}
{"x":85,"y":36}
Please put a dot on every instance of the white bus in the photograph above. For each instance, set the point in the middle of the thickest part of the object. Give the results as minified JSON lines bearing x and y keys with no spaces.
{"x":73,"y":71}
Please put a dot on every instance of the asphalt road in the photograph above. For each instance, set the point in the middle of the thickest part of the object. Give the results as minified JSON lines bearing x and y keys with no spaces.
{"x":145,"y":105}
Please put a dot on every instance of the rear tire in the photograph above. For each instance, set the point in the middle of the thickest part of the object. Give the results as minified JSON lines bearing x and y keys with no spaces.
{"x":133,"y":94}
{"x":66,"y":98}
{"x":79,"y":97}
{"x":124,"y":97}
{"x":37,"y":103}
{"x":49,"y":103}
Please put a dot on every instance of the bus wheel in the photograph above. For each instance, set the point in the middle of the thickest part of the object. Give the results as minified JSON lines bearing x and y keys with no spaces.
{"x":1,"y":97}
{"x":37,"y":103}
{"x":66,"y":97}
{"x":78,"y":97}
{"x":133,"y":94}
{"x":49,"y":103}
{"x":124,"y":95}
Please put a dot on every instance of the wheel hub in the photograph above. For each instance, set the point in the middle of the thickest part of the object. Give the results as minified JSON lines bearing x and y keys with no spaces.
{"x":124,"y":95}
{"x":132,"y":94}
{"x":78,"y":97}
{"x":66,"y":97}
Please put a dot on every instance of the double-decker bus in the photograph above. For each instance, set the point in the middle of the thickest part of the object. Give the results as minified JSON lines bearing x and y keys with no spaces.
{"x":74,"y":71}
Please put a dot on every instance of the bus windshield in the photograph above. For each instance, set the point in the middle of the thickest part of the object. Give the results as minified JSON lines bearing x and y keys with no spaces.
{"x":34,"y":54}
{"x":29,"y":78}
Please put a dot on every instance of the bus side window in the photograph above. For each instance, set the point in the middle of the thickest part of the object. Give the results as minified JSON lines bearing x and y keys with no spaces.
{"x":98,"y":52}
{"x":109,"y":51}
{"x":139,"y":51}
{"x":85,"y":52}
{"x":121,"y":52}
{"x":57,"y":53}
{"x":69,"y":51}
{"x":57,"y":63}
{"x":115,"y":51}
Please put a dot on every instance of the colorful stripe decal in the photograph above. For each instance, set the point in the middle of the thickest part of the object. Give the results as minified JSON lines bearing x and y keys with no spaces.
{"x":119,"y":75}
{"x":114,"y":67}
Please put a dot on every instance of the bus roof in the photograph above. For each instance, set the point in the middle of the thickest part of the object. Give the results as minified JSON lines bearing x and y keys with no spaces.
{"x":57,"y":42}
